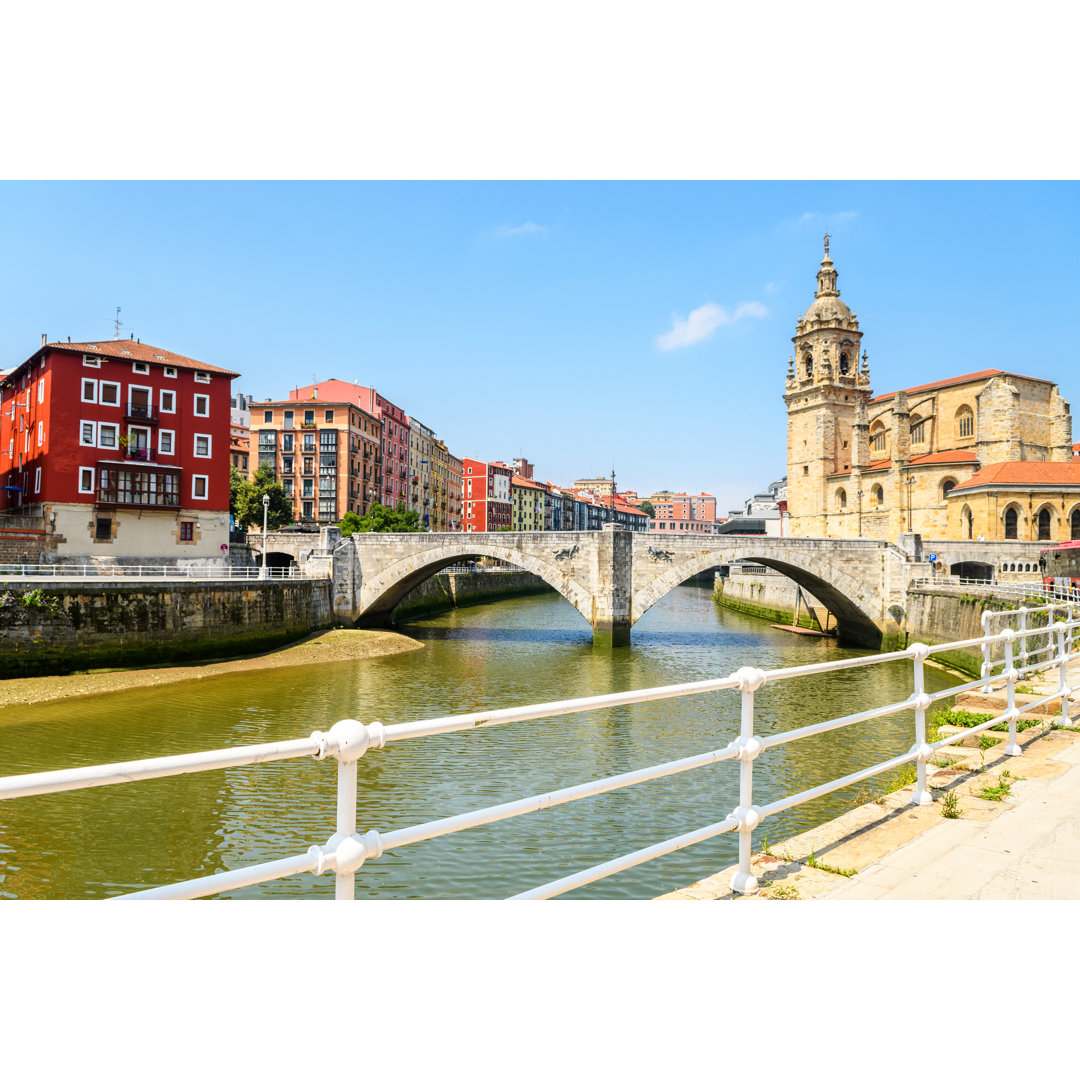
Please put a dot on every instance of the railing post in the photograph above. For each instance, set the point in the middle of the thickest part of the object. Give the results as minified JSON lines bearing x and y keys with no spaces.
{"x":746,"y":813}
{"x":345,"y":825}
{"x":1023,"y":640}
{"x":921,"y":700}
{"x":987,"y":666}
{"x":1064,"y":638}
{"x":1013,"y":749}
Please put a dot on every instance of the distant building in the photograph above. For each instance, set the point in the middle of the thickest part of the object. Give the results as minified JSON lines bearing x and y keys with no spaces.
{"x":598,"y":485}
{"x":240,"y":433}
{"x":529,"y":505}
{"x":487,"y":503}
{"x":122,"y":447}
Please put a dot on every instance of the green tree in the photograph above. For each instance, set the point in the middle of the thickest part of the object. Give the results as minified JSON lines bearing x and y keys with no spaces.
{"x":247,"y":504}
{"x":381,"y":518}
{"x":647,"y":507}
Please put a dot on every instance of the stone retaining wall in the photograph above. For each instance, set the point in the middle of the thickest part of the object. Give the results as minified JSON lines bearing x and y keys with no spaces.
{"x":125,"y":625}
{"x":767,"y":596}
{"x":446,"y":591}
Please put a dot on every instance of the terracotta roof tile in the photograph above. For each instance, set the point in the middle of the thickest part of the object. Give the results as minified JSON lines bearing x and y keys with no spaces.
{"x":137,"y":350}
{"x":1027,"y":473}
{"x":957,"y":380}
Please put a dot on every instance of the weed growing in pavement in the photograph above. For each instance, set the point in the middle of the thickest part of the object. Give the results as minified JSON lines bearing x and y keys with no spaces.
{"x":950,"y":805}
{"x":812,"y":861}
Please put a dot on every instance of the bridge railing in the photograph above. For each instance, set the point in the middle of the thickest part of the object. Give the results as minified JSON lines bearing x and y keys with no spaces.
{"x":16,"y":572}
{"x":347,"y":849}
{"x":1035,"y":591}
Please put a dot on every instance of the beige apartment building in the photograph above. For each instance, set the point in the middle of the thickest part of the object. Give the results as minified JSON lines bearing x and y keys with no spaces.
{"x":927,"y":459}
{"x":326,"y":454}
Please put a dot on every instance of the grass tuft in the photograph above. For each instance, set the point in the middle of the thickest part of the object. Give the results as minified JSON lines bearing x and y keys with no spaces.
{"x":812,"y":861}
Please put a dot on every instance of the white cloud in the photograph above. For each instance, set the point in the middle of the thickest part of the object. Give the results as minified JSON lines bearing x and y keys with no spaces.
{"x":817,"y":218}
{"x":771,"y":287}
{"x":703,"y":321}
{"x":530,"y":228}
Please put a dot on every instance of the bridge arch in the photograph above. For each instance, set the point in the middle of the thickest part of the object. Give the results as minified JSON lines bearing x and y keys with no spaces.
{"x":838,"y":591}
{"x":383,"y":591}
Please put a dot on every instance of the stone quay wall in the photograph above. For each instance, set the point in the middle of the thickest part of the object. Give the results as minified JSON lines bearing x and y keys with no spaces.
{"x":767,"y":596}
{"x":444,"y":592}
{"x":75,"y":627}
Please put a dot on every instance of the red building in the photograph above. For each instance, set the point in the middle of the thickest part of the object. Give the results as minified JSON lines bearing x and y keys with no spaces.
{"x":122,"y":448}
{"x":487,"y":503}
{"x":395,"y":432}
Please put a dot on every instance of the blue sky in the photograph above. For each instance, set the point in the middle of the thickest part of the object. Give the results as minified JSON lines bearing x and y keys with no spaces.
{"x":644,"y":325}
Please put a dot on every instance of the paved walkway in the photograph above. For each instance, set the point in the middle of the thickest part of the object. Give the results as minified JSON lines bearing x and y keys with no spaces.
{"x":1024,"y":847}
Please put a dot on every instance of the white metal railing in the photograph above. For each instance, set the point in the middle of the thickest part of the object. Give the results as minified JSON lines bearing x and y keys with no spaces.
{"x":469,"y":568}
{"x":1034,"y":591}
{"x":348,"y":740}
{"x":91,"y":572}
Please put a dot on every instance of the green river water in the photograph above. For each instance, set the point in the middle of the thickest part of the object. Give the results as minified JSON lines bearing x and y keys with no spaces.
{"x":104,"y":841}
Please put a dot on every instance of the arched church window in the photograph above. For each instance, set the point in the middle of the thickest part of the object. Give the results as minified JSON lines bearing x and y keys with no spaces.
{"x":947,"y":486}
{"x":878,"y":436}
{"x":965,"y":422}
{"x":1010,"y":523}
{"x":809,"y":360}
{"x":841,"y":499}
{"x":1074,"y":525}
{"x":878,"y":495}
{"x":918,"y":430}
{"x":845,"y":363}
{"x":969,"y":523}
{"x":1044,"y":524}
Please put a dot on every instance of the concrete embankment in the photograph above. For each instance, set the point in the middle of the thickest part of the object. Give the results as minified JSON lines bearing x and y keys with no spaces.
{"x":444,"y":592}
{"x":771,"y":597}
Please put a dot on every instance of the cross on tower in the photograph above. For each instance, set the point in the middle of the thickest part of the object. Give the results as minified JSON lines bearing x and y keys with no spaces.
{"x":826,"y":243}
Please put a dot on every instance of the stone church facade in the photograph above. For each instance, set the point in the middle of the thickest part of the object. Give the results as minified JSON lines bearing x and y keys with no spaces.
{"x":989,"y":454}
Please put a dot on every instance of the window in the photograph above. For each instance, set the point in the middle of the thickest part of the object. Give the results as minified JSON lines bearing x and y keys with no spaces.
{"x":287,"y":485}
{"x":309,"y":488}
{"x":202,"y":405}
{"x":110,"y":394}
{"x":918,"y":430}
{"x":309,"y":442}
{"x":202,"y":376}
{"x":1044,"y":524}
{"x":309,"y":416}
{"x":202,"y":445}
{"x":288,"y":419}
{"x":1010,"y":523}
{"x":305,"y":511}
{"x":91,"y":361}
{"x":87,"y":433}
{"x":1074,"y":525}
{"x":329,"y":416}
{"x":168,"y":401}
{"x":878,"y":437}
{"x":286,"y":442}
{"x":89,"y":390}
{"x":103,"y":528}
{"x":40,"y":432}
{"x":165,"y":441}
{"x":187,"y":531}
{"x":965,"y":422}
{"x":808,"y":360}
{"x":841,"y":499}
{"x":140,"y":368}
{"x":37,"y":479}
{"x":878,"y":495}
{"x":170,"y":373}
{"x":286,"y":465}
{"x":86,"y":481}
{"x":268,"y":416}
{"x":199,"y":486}
{"x":41,"y":391}
{"x":108,"y":436}
{"x":946,"y":487}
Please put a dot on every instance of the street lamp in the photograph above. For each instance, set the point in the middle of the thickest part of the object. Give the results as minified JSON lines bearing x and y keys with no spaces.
{"x":266,"y":509}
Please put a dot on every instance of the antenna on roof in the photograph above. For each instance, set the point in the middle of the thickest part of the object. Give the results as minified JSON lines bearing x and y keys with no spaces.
{"x":118,"y":324}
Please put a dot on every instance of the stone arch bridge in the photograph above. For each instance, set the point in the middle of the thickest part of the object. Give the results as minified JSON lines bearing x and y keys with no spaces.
{"x":613,"y":576}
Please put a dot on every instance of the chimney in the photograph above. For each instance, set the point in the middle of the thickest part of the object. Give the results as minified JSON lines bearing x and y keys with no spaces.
{"x":133,"y":334}
{"x":43,"y":339}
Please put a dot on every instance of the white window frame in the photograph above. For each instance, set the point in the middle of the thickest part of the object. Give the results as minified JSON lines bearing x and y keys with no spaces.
{"x":202,"y":376}
{"x":102,"y":426}
{"x":161,"y":400}
{"x":195,"y":405}
{"x":40,"y":432}
{"x":41,"y":389}
{"x":109,"y":404}
{"x":140,"y":367}
{"x":37,"y":480}
{"x":83,"y":440}
{"x":91,"y":361}
{"x":149,"y":395}
{"x":86,"y":477}
{"x":170,"y":373}
{"x":92,"y":385}
{"x":206,"y":482}
{"x":209,"y":445}
{"x":172,"y":442}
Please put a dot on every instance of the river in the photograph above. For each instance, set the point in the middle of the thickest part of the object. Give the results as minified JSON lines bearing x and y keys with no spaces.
{"x":100,"y":842}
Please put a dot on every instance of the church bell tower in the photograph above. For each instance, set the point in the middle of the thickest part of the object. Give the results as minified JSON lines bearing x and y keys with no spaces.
{"x":825,"y":388}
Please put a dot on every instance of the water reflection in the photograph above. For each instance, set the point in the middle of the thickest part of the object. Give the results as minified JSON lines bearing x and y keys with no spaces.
{"x":108,"y":840}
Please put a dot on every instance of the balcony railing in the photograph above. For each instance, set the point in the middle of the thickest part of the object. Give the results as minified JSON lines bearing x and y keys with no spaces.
{"x":142,"y":414}
{"x":140,"y":453}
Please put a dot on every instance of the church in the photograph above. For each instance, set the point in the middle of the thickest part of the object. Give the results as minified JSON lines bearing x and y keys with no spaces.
{"x":987,"y":455}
